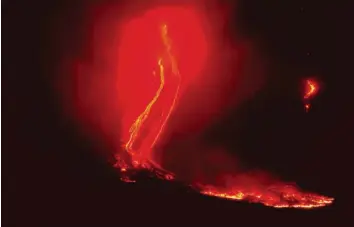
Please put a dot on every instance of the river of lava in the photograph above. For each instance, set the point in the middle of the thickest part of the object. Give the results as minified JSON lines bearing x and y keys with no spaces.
{"x":161,"y":52}
{"x":278,"y":196}
{"x":150,"y":82}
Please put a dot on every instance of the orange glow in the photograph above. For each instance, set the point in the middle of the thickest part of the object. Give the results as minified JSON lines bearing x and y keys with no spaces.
{"x":151,"y":46}
{"x":140,"y":156}
{"x":175,"y":72}
{"x":311,"y":89}
{"x":283,"y":196}
{"x":165,"y":74}
{"x":147,"y":104}
{"x":307,"y":107}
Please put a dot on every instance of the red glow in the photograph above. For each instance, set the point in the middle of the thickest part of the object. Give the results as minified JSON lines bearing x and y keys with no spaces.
{"x":132,"y":71}
{"x":311,"y":89}
{"x":140,"y":50}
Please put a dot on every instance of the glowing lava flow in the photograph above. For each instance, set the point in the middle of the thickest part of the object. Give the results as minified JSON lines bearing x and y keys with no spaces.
{"x":141,"y":156}
{"x":310,"y":90}
{"x":175,"y":72}
{"x":136,"y":127}
{"x":146,"y":130}
{"x":284,"y":196}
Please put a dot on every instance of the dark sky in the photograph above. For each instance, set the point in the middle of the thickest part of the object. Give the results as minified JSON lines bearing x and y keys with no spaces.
{"x":52,"y":175}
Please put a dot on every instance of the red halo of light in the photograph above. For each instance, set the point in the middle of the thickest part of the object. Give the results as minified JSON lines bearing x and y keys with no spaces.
{"x":140,"y":47}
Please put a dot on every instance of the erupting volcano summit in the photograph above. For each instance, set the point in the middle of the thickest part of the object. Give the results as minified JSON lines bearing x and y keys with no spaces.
{"x":161,"y":53}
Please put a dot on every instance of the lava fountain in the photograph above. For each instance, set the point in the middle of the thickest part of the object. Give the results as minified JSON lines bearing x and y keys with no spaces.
{"x":149,"y":85}
{"x":161,"y":54}
{"x":311,"y":89}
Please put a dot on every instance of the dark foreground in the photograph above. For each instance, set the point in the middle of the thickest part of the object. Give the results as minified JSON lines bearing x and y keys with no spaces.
{"x":100,"y":199}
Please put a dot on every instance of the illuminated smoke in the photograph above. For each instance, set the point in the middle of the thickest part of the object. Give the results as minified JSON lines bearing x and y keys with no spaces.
{"x":153,"y":69}
{"x":141,"y":155}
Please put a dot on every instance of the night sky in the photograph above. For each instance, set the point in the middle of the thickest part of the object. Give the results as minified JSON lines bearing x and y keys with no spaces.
{"x":54,"y":176}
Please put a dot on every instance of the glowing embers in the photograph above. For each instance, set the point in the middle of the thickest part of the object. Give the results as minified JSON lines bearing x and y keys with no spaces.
{"x":156,"y":50}
{"x":277,"y":196}
{"x":310,"y":90}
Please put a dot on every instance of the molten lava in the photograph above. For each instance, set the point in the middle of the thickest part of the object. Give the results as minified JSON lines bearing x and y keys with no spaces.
{"x":141,"y":155}
{"x":147,"y":52}
{"x":282,"y":196}
{"x":311,"y":89}
{"x":140,"y":145}
{"x":161,"y":53}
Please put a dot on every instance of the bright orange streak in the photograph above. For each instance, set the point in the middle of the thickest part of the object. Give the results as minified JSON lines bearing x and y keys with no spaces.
{"x":311,"y":89}
{"x":275,"y":196}
{"x":136,"y":126}
{"x":279,"y":197}
{"x":175,"y":72}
